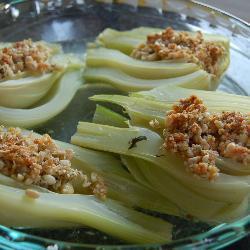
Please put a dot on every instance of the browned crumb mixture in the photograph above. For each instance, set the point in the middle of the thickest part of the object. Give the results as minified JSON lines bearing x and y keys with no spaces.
{"x":24,"y":56}
{"x":170,"y":44}
{"x":32,"y":194}
{"x":200,"y":137}
{"x":39,"y":161}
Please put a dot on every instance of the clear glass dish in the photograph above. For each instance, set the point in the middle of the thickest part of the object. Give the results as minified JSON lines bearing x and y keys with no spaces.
{"x":73,"y":24}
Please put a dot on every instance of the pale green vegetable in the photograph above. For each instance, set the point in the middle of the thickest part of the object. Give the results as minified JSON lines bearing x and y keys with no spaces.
{"x":8,"y":181}
{"x":141,"y":111}
{"x":59,"y":210}
{"x":67,"y":61}
{"x":24,"y":92}
{"x":130,"y":193}
{"x":232,"y":167}
{"x":96,"y":161}
{"x":203,"y":209}
{"x":96,"y":135}
{"x":215,"y":101}
{"x":126,"y":41}
{"x":102,"y":137}
{"x":121,"y":185}
{"x":57,"y":99}
{"x":106,"y":116}
{"x":26,"y":88}
{"x":123,"y":43}
{"x":142,"y":107}
{"x":166,"y":172}
{"x":135,"y":170}
{"x":108,"y":216}
{"x":103,"y":57}
{"x":234,"y":210}
{"x":200,"y":79}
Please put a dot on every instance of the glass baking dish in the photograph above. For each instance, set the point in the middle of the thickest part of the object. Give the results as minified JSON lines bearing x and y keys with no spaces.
{"x":74,"y":24}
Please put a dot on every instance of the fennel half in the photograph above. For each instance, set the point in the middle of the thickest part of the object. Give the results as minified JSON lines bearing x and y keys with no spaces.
{"x":118,"y":218}
{"x":113,"y":50}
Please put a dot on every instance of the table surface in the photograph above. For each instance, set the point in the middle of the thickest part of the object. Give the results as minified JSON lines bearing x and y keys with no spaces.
{"x":239,"y":8}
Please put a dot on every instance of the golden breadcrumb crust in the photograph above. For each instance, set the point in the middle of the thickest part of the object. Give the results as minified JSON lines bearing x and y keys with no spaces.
{"x":24,"y":56}
{"x":199,"y":137}
{"x":39,"y":161}
{"x":172,"y":45}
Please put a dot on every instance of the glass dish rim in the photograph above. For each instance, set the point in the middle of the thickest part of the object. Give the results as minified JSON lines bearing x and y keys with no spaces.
{"x":226,"y":13}
{"x":230,"y":232}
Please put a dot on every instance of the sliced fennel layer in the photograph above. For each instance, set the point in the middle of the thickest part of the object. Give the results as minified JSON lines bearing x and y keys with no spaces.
{"x":27,"y":88}
{"x":142,"y":107}
{"x":215,"y":101}
{"x":95,"y":161}
{"x":199,"y":197}
{"x":103,"y":57}
{"x":121,"y":185}
{"x":141,"y":111}
{"x":135,"y":170}
{"x":67,"y":61}
{"x":199,"y":79}
{"x":130,"y":193}
{"x":24,"y":92}
{"x":108,"y":216}
{"x":204,"y":208}
{"x":126,"y":41}
{"x":106,"y":116}
{"x":102,"y":137}
{"x":232,"y":167}
{"x":56,"y":100}
{"x":8,"y":181}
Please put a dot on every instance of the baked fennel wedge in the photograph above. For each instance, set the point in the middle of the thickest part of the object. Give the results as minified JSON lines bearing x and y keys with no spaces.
{"x":28,"y":73}
{"x":144,"y":58}
{"x":211,"y":182}
{"x":55,"y":184}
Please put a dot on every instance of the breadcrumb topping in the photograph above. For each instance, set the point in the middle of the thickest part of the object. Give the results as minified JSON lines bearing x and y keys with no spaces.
{"x":169,"y":45}
{"x":24,"y":56}
{"x":199,"y":137}
{"x":32,"y":194}
{"x":39,"y":161}
{"x":154,"y":124}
